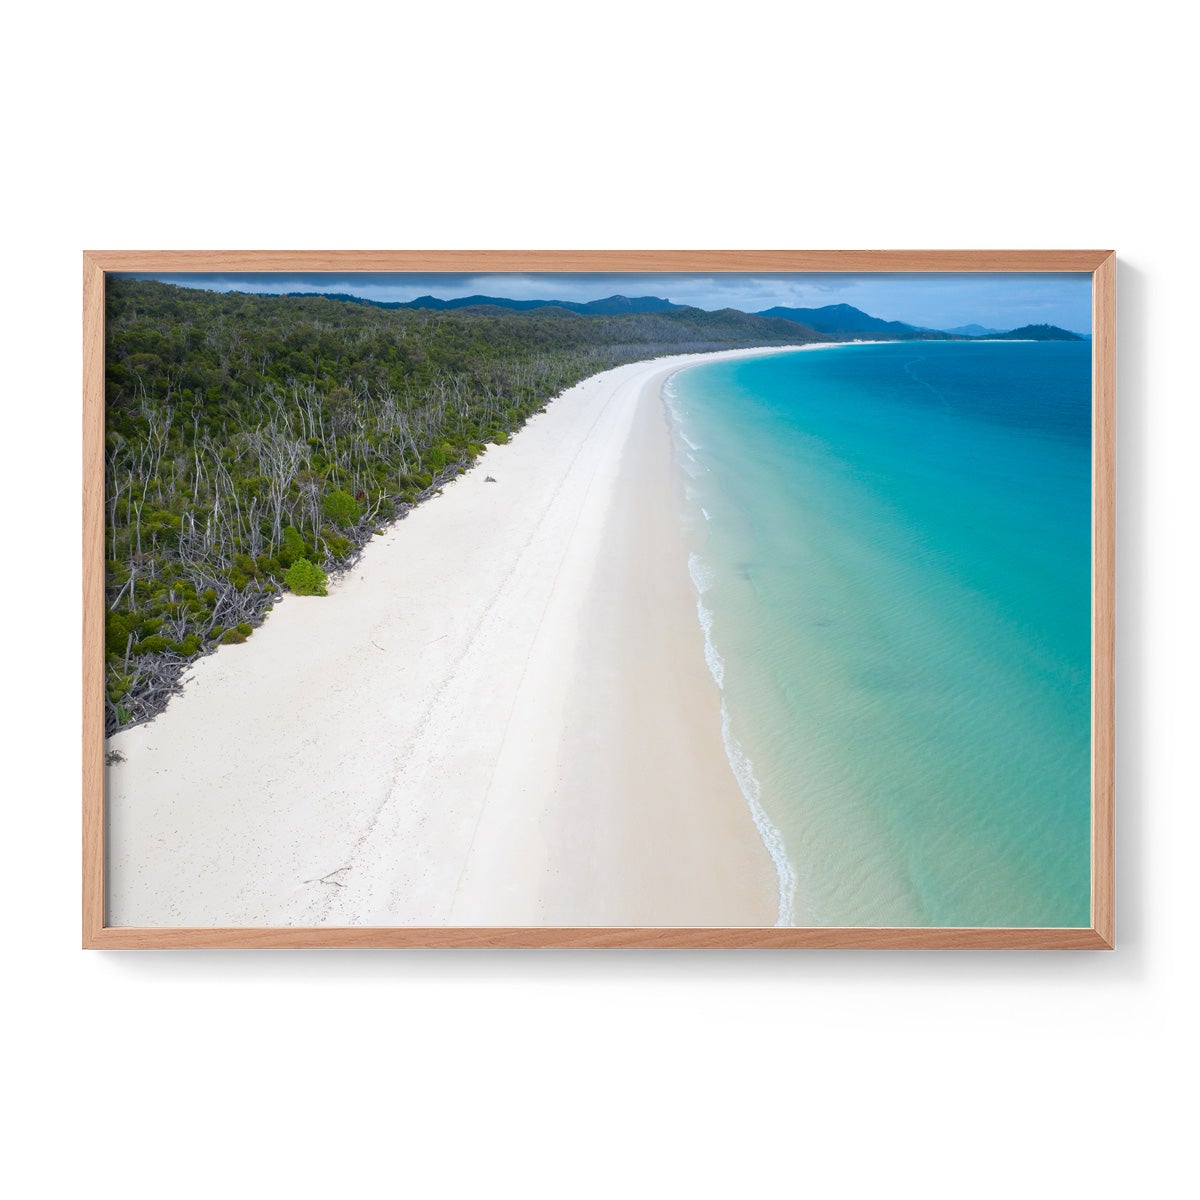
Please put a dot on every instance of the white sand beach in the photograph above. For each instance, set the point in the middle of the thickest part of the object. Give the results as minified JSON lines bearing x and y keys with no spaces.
{"x":501,"y":716}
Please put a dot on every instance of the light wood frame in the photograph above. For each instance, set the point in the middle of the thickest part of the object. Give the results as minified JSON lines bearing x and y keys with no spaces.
{"x":1101,"y":264}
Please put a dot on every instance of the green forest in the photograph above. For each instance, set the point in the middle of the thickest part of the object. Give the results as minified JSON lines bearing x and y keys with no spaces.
{"x":256,"y":443}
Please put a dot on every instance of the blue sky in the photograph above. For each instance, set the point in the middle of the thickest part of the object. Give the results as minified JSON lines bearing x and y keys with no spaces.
{"x":936,"y":301}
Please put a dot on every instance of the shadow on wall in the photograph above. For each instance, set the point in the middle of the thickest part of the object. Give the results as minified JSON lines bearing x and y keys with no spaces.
{"x":1127,"y":965}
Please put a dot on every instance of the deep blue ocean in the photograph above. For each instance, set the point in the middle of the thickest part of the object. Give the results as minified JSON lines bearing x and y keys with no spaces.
{"x":892,"y":553}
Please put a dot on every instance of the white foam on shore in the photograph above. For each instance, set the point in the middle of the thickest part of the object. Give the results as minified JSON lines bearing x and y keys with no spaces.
{"x":703,"y":578}
{"x":743,"y":771}
{"x":739,"y":761}
{"x":716,"y":664}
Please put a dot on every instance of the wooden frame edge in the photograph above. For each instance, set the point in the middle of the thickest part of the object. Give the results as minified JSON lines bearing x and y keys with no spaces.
{"x":93,"y":601}
{"x":1104,"y":332}
{"x":1101,"y":264}
{"x":442,"y":938}
{"x":1033,"y":261}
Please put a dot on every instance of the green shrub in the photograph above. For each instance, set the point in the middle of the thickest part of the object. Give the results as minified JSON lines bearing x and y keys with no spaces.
{"x":336,"y":546}
{"x":232,"y":637}
{"x":116,"y":633}
{"x":341,"y":508}
{"x":500,"y":438}
{"x":293,"y":546}
{"x":305,"y":578}
{"x":160,"y":521}
{"x":245,"y":628}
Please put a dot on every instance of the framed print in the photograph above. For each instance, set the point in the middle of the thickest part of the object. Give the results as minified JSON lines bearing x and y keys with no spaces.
{"x":641,"y":598}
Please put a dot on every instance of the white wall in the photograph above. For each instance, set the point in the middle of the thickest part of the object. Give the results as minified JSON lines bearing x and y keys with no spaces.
{"x":611,"y":125}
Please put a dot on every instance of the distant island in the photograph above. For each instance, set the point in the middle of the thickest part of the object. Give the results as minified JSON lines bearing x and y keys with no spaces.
{"x":1034,"y":333}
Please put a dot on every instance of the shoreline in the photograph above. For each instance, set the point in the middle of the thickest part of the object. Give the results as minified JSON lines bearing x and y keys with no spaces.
{"x":738,"y":760}
{"x":535,"y":741}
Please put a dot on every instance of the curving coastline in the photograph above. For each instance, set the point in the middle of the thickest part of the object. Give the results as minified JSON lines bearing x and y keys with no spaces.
{"x":535,"y":741}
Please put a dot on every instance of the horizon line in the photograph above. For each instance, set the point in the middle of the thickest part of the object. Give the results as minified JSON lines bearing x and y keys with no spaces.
{"x":231,"y":285}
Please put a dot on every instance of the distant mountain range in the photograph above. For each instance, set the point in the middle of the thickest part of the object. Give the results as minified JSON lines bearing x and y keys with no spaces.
{"x":610,"y":306}
{"x":839,"y":321}
{"x":972,"y":330}
{"x":842,"y":318}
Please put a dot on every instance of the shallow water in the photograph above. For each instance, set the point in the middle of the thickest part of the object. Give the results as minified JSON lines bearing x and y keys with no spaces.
{"x":892,"y":557}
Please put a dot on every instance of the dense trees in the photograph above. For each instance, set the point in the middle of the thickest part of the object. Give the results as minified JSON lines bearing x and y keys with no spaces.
{"x":254,"y":442}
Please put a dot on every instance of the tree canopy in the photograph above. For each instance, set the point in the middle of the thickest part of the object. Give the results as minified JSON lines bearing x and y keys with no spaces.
{"x":248,"y":434}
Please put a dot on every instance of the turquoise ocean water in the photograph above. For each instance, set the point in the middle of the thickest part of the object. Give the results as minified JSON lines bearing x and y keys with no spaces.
{"x":892,"y":555}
